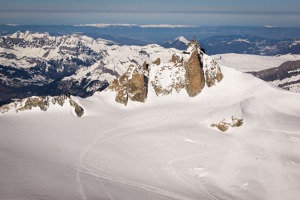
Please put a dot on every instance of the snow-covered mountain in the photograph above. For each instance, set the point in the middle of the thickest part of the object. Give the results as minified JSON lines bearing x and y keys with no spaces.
{"x":172,"y":71}
{"x":180,"y":43}
{"x":170,"y":147}
{"x":249,"y":44}
{"x":32,"y":61}
{"x":40,"y":64}
{"x":286,"y":76}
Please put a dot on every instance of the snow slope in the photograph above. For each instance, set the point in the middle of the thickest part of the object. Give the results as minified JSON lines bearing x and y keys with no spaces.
{"x":162,"y":149}
{"x":250,"y":63}
{"x":277,"y":66}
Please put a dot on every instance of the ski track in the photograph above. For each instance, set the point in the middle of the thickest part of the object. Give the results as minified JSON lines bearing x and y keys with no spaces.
{"x":82,"y":168}
{"x":170,"y":166}
{"x":81,"y":165}
{"x":141,"y":187}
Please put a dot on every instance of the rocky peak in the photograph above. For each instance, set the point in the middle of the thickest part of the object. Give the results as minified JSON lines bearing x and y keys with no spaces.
{"x":195,"y":81}
{"x":191,"y":69}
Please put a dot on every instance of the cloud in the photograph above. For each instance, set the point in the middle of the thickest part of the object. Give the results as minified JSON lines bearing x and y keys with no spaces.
{"x":135,"y":25}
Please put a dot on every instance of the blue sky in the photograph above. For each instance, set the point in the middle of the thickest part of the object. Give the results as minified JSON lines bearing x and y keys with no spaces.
{"x":189,"y":12}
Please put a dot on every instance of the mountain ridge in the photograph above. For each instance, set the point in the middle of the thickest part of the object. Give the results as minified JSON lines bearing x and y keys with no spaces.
{"x":286,"y":76}
{"x":166,"y":70}
{"x":180,"y":43}
{"x":79,"y":65}
{"x":71,"y":63}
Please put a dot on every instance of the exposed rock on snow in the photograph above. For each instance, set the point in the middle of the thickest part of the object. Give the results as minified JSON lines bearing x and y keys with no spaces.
{"x":157,"y":61}
{"x":175,"y":59}
{"x":225,"y":124}
{"x":133,"y":85}
{"x":213,"y":72}
{"x":167,"y":77}
{"x":120,"y":86}
{"x":31,"y":102}
{"x":78,"y":109}
{"x":43,"y":103}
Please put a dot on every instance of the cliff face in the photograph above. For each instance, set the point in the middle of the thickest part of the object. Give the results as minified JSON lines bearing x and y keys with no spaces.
{"x":121,"y":89}
{"x":138,"y":87}
{"x":132,"y":85}
{"x":195,"y":81}
{"x":190,"y":70}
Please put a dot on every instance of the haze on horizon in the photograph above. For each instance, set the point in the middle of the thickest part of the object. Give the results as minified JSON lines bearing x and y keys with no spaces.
{"x":188,"y":12}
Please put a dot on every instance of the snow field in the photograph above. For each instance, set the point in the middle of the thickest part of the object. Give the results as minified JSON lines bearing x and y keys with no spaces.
{"x":250,"y":63}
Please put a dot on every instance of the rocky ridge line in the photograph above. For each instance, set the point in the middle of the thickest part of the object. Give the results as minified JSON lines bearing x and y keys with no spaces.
{"x":286,"y":76}
{"x":191,"y":69}
{"x":43,"y":103}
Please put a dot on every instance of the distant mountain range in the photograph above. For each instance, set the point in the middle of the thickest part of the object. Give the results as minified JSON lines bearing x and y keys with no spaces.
{"x":39,"y":64}
{"x":242,"y":44}
{"x":286,"y":76}
{"x":260,"y":40}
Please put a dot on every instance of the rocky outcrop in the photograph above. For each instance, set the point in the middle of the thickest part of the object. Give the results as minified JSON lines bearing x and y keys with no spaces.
{"x":60,"y":100}
{"x":195,"y":81}
{"x":43,"y":103}
{"x":213,"y":72}
{"x":190,"y":69}
{"x":157,"y":61}
{"x":138,"y":87}
{"x":121,"y":89}
{"x":176,"y":59}
{"x":132,"y":85}
{"x":32,"y":102}
{"x":224,"y":125}
{"x":78,"y":109}
{"x":166,"y":78}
